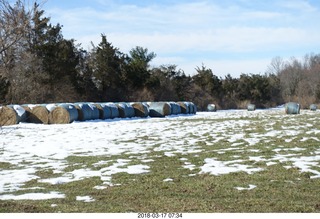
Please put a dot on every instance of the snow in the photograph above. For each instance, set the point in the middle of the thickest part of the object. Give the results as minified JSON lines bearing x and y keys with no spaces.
{"x":33,"y":196}
{"x":19,"y":110}
{"x":242,"y":188}
{"x":29,"y":148}
{"x":85,"y":198}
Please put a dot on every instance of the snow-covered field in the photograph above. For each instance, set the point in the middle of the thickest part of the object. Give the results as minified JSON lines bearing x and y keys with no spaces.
{"x":27,"y":148}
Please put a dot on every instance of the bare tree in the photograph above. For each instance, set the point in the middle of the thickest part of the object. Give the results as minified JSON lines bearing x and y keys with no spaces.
{"x":276,"y":66}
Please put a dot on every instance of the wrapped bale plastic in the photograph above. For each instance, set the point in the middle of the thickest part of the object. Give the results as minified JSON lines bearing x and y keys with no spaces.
{"x":114,"y":110}
{"x":175,"y":108}
{"x":292,"y":108}
{"x":189,"y":108}
{"x":51,"y":106}
{"x":313,"y":107}
{"x":37,"y":114}
{"x":140,"y":109}
{"x":84,"y":111}
{"x":63,"y":114}
{"x":159,"y":109}
{"x":125,"y":110}
{"x":211,"y":108}
{"x":251,"y":107}
{"x":95,"y":114}
{"x":193,"y":108}
{"x":12,"y":115}
{"x":104,"y":111}
{"x":184,"y":107}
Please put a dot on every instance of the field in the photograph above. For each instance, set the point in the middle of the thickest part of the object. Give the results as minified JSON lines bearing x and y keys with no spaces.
{"x":225,"y":161}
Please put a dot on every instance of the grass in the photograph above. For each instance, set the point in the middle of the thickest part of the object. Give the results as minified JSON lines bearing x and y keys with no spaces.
{"x":278,"y":189}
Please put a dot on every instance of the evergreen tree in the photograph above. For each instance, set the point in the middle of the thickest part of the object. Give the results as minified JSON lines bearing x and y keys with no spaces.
{"x":106,"y":62}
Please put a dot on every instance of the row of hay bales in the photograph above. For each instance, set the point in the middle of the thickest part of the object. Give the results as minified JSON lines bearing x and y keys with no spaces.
{"x":290,"y":108}
{"x":64,"y":113}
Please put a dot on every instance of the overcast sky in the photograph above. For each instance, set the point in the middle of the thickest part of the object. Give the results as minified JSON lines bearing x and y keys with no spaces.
{"x":229,"y":36}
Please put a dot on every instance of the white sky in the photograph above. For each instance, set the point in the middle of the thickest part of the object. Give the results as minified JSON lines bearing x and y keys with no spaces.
{"x":230,"y":36}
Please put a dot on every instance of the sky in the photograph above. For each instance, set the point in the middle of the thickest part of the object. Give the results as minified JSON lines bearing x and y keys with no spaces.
{"x":229,"y":37}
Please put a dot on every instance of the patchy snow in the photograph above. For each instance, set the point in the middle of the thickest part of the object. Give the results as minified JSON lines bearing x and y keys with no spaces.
{"x":215,"y":167}
{"x":33,"y":196}
{"x":85,"y":198}
{"x":28,"y":148}
{"x":242,"y":188}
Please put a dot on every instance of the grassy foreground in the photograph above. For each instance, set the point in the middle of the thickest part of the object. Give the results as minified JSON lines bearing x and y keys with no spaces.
{"x":170,"y":186}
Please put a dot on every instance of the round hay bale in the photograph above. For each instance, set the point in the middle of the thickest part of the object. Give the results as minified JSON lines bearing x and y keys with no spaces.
{"x":104,"y":111}
{"x":114,"y":110}
{"x":211,"y":107}
{"x":193,"y":108}
{"x":20,"y":111}
{"x":188,"y":107}
{"x":8,"y":116}
{"x":292,"y":108}
{"x":140,"y":109}
{"x":37,"y":114}
{"x":95,"y":114}
{"x":159,"y":109}
{"x":125,"y":110}
{"x":63,"y":114}
{"x":313,"y":107}
{"x":184,"y":108}
{"x":175,"y":108}
{"x":84,"y":111}
{"x":251,"y":107}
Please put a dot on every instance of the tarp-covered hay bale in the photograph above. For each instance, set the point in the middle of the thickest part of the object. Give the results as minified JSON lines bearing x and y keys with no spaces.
{"x":104,"y":111}
{"x":313,"y":107}
{"x":95,"y":114}
{"x":125,"y":110}
{"x":84,"y":111}
{"x":175,"y":108}
{"x":12,"y":115}
{"x":251,"y":107}
{"x":292,"y":108}
{"x":63,"y":114}
{"x":114,"y":110}
{"x":192,"y":108}
{"x":211,"y":107}
{"x":140,"y":109}
{"x":159,"y":109}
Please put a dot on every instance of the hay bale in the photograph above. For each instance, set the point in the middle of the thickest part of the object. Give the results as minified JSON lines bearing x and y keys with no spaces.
{"x":313,"y":107}
{"x":63,"y":114}
{"x":159,"y":109}
{"x":193,"y":108}
{"x":114,"y":110}
{"x":8,"y":116}
{"x":95,"y":114}
{"x":140,"y":109}
{"x":184,"y":108}
{"x":188,"y":107}
{"x":104,"y":111}
{"x":251,"y":107}
{"x":84,"y":111}
{"x":211,"y":107}
{"x":20,"y":111}
{"x":292,"y":108}
{"x":125,"y":110}
{"x":175,"y":108}
{"x":37,"y":114}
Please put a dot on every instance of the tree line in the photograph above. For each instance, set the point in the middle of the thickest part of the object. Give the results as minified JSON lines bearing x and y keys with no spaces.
{"x":38,"y":65}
